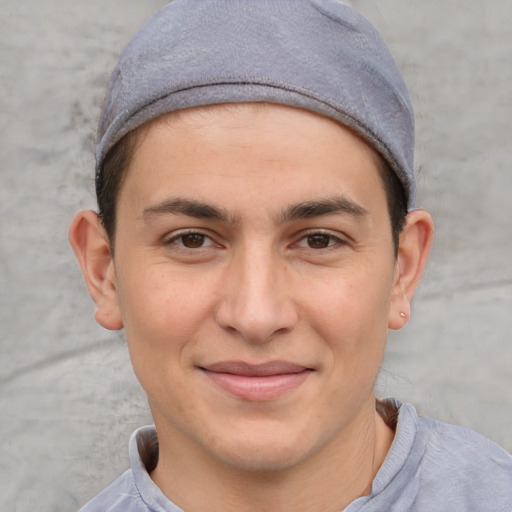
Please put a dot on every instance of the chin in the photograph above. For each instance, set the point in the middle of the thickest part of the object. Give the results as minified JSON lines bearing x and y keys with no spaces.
{"x":263,"y":452}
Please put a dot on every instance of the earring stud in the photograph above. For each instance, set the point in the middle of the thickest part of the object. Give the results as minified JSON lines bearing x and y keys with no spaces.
{"x":402,"y":314}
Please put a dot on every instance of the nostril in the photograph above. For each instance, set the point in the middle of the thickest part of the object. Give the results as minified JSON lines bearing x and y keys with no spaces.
{"x":255,"y":303}
{"x":259,"y":324}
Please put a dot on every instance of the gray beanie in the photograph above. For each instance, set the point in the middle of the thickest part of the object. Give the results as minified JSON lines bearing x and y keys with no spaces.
{"x":319,"y":55}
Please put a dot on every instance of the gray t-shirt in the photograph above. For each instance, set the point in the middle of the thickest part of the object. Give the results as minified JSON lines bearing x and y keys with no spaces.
{"x":431,"y":467}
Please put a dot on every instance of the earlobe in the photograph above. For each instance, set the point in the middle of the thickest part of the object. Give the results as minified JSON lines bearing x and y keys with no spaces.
{"x":415,"y":243}
{"x":92,"y":249}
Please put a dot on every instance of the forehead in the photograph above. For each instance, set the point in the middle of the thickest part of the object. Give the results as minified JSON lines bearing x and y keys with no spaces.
{"x":254,"y":145}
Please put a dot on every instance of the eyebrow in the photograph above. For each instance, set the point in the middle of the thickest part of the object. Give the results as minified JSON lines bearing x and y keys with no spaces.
{"x":304,"y":210}
{"x":186,"y":207}
{"x":319,"y":207}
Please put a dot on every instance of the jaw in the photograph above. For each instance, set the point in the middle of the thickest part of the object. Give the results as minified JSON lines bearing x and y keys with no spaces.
{"x":268,"y":469}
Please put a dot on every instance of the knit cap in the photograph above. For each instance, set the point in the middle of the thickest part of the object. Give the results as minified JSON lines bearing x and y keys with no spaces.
{"x":318,"y":55}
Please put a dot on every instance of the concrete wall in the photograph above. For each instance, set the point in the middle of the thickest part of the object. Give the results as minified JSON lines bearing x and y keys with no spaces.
{"x":68,"y":398}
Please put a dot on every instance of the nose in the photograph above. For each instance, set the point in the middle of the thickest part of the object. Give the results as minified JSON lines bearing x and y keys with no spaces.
{"x":256,"y":303}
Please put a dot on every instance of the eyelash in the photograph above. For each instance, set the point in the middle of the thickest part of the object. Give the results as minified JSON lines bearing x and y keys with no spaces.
{"x":307,"y":238}
{"x":179,"y":237}
{"x":333,"y":240}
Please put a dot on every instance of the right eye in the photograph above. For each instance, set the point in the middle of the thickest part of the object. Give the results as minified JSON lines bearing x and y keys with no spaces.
{"x":190,"y":240}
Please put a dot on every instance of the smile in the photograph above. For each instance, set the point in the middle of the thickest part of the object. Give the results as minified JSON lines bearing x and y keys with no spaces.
{"x":257,"y":383}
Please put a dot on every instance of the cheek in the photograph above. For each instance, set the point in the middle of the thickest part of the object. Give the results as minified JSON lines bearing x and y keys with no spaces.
{"x":161,"y":312}
{"x":348,"y":294}
{"x":350,"y":309}
{"x":153,"y":296}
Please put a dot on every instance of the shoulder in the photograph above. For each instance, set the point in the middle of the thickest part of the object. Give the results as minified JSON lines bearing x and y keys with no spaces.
{"x":437,"y":467}
{"x":120,"y":496}
{"x":134,"y":491}
{"x":455,"y":445}
{"x":462,"y":468}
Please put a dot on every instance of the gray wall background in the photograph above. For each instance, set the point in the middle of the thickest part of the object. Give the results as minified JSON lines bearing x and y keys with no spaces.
{"x":68,"y":398}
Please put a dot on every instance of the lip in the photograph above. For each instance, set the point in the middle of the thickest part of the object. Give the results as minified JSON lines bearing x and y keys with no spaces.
{"x":256,"y":382}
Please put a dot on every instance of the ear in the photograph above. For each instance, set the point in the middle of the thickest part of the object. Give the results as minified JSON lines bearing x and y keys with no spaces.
{"x":92,"y":249}
{"x":414,"y":248}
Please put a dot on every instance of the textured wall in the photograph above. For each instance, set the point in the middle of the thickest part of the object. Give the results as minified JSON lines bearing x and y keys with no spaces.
{"x":68,"y":398}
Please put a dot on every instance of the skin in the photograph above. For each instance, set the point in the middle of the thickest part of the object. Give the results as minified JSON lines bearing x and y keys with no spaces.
{"x":256,"y":236}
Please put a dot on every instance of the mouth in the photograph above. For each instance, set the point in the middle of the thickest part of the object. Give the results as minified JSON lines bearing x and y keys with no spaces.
{"x":256,"y":382}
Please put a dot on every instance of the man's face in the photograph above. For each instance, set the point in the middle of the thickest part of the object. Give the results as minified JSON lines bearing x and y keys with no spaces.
{"x":254,"y":270}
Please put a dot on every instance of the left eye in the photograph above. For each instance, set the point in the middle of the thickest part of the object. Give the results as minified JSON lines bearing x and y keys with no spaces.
{"x":318,"y":241}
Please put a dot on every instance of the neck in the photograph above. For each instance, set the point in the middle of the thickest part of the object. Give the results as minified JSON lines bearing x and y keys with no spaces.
{"x":329,"y":480}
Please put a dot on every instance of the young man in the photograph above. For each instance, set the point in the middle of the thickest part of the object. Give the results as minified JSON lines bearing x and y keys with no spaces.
{"x":256,"y":239}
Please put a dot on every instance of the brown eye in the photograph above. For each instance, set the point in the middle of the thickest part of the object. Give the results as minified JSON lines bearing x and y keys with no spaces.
{"x":193,"y":240}
{"x":319,"y":241}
